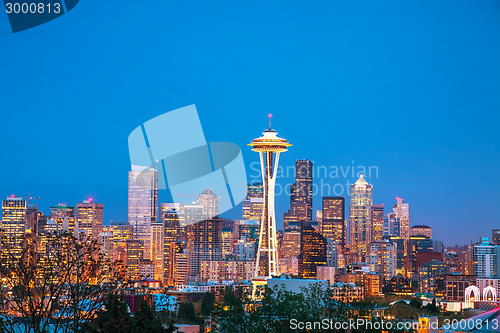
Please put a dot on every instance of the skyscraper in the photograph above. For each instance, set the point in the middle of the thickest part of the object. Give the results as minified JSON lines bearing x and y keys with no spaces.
{"x":143,"y":204}
{"x":377,"y":215}
{"x":382,"y":258}
{"x":252,"y":208}
{"x":254,"y":202}
{"x":89,"y":217}
{"x":135,"y":250}
{"x":269,"y":146}
{"x":421,"y":230}
{"x":63,"y":214}
{"x":298,"y":212}
{"x":402,"y":210}
{"x":360,"y":227}
{"x":14,"y":222}
{"x":486,"y":259}
{"x":313,"y":248}
{"x":391,"y":225}
{"x":210,"y":203}
{"x":301,"y":191}
{"x":495,"y":236}
{"x":204,"y":243}
{"x":291,"y":240}
{"x":255,"y":190}
{"x":121,"y":233}
{"x":333,"y":222}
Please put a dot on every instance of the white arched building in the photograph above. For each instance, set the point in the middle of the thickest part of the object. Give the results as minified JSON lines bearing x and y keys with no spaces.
{"x":490,"y":294}
{"x":485,"y":292}
{"x":472,"y":294}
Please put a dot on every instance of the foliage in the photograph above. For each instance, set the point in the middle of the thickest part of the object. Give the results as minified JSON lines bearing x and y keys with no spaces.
{"x":274,"y":312}
{"x":54,"y":282}
{"x":114,"y":318}
{"x":416,"y":303}
{"x":186,"y":311}
{"x":207,"y":304}
{"x":432,"y":307}
{"x":147,"y":320}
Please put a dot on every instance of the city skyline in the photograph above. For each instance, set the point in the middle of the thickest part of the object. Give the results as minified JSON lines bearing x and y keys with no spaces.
{"x":349,"y":85}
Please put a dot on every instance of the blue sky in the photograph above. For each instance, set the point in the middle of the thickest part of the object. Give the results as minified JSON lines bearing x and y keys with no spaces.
{"x":411,"y":87}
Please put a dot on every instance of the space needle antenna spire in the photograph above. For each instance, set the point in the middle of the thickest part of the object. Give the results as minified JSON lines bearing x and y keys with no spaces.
{"x":269,"y":146}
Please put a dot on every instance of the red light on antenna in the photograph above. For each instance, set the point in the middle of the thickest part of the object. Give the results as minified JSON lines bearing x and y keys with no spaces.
{"x":90,"y":200}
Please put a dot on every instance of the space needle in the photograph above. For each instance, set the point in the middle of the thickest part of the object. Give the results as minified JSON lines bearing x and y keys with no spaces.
{"x":269,"y":146}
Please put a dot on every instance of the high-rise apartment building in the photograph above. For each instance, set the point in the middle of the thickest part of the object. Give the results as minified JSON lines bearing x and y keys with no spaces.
{"x":377,"y":222}
{"x":301,"y":191}
{"x":360,"y":227}
{"x":89,"y":218}
{"x":381,"y":258}
{"x":181,"y":267}
{"x":486,"y":260}
{"x":204,"y":243}
{"x":333,"y":223}
{"x":431,"y":276}
{"x":143,"y":204}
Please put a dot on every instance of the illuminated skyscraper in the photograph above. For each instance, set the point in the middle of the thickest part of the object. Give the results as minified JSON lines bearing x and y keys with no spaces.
{"x":121,"y":233}
{"x":377,"y":222}
{"x":255,"y":190}
{"x":89,"y":217}
{"x":143,"y":204}
{"x":253,"y":203}
{"x":227,"y":242}
{"x":391,"y":225}
{"x":269,"y":146}
{"x":422,"y":230}
{"x":135,"y":250}
{"x":360,"y":227}
{"x":204,"y":243}
{"x":298,"y":212}
{"x":64,"y":215}
{"x":402,"y":210}
{"x":301,"y":191}
{"x":14,"y":221}
{"x":157,"y":248}
{"x":333,"y":223}
{"x":248,"y":230}
{"x":291,"y":240}
{"x":210,"y":203}
{"x":313,"y":248}
{"x":381,"y":258}
{"x":495,"y":236}
{"x":170,"y":209}
{"x":106,"y":242}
